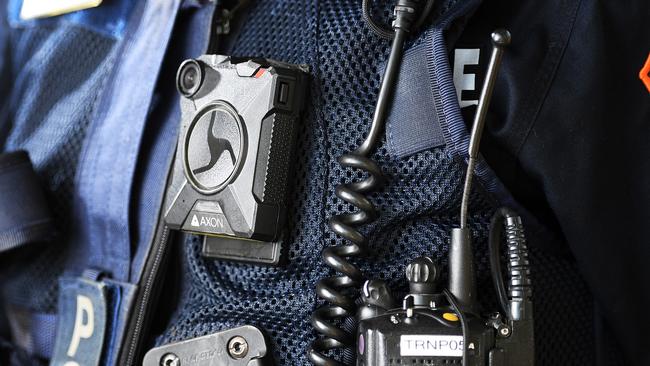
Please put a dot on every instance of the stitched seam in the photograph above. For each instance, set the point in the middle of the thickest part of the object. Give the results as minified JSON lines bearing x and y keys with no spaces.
{"x":551,"y":65}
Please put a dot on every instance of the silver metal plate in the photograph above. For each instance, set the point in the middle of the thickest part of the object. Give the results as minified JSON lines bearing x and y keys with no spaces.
{"x":213,"y":350}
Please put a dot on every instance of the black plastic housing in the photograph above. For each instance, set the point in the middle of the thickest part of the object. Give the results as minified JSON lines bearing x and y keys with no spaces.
{"x":382,"y":339}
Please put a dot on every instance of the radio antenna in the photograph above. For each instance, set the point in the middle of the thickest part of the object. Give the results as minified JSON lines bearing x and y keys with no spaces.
{"x":462,"y":283}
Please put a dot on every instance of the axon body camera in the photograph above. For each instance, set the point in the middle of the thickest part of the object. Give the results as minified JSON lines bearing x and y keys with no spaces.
{"x":239,"y":120}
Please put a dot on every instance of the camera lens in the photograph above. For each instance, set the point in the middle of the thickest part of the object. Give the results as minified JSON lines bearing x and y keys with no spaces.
{"x":190,"y":77}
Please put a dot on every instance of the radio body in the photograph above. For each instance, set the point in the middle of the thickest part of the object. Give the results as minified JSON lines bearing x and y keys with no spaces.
{"x":432,"y":327}
{"x":424,"y":336}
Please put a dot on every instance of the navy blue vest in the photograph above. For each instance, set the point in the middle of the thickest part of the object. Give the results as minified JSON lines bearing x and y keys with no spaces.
{"x":93,"y":102}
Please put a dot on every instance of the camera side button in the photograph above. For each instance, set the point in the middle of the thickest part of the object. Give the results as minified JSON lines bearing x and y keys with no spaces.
{"x":283,"y":97}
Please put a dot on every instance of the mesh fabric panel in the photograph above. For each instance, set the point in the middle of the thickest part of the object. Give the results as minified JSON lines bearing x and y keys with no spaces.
{"x":419,"y":203}
{"x":57,"y":77}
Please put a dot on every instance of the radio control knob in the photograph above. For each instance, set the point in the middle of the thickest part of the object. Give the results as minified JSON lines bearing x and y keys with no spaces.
{"x":423,"y":275}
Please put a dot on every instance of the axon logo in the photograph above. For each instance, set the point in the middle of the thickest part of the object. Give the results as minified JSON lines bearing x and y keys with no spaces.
{"x":468,"y":75}
{"x":210,"y":221}
{"x":84,"y":327}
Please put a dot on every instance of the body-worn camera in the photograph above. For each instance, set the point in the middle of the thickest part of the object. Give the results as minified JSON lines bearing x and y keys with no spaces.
{"x":234,"y":154}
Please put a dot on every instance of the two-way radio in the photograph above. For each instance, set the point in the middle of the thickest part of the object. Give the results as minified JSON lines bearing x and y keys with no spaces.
{"x":431,"y":327}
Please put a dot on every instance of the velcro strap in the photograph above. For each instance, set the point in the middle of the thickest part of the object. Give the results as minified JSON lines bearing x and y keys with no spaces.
{"x":24,"y":214}
{"x":413,"y":124}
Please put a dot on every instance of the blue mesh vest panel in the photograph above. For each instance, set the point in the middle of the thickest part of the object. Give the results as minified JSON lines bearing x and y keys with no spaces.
{"x":69,"y":85}
{"x":58,"y":74}
{"x":56,"y":70}
{"x":418,"y":204}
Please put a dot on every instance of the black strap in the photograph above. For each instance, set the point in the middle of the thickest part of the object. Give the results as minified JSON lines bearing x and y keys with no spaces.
{"x":227,"y":23}
{"x":24,"y":214}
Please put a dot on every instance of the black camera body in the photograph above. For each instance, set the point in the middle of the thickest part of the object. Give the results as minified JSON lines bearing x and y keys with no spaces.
{"x":239,"y":119}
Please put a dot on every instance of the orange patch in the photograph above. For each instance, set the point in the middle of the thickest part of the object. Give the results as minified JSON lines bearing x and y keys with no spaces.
{"x":644,"y":74}
{"x":259,"y":73}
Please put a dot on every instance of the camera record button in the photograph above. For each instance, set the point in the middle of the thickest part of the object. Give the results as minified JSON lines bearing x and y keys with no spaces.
{"x":213,"y":148}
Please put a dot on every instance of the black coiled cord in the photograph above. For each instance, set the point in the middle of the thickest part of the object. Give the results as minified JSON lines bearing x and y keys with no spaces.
{"x":336,"y":290}
{"x":333,"y":289}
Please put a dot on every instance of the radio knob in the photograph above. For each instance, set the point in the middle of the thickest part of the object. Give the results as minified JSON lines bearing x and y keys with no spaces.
{"x":423,"y":276}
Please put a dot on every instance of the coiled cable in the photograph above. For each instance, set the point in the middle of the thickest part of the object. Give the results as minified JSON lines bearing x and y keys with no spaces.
{"x":336,"y":290}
